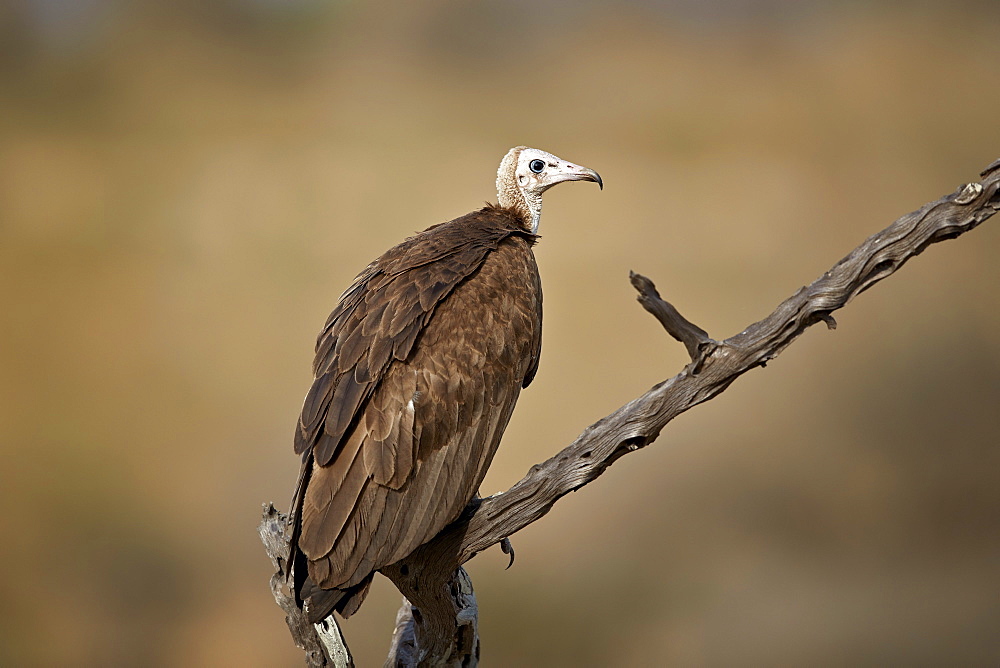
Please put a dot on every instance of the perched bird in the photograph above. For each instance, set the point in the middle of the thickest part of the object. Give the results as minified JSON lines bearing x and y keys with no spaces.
{"x":416,"y":375}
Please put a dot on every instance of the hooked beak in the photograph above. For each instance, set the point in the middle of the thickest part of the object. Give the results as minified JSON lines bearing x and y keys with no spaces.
{"x":566,"y":171}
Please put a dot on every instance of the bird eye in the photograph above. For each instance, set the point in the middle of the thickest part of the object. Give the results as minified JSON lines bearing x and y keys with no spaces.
{"x":536,"y":166}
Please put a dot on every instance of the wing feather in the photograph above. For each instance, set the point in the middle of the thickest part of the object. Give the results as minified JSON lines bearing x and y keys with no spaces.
{"x":349,"y":552}
{"x":373,"y":320}
{"x":330,"y":498}
{"x":346,"y":400}
{"x":351,"y":347}
{"x":403,"y":344}
{"x":419,"y":503}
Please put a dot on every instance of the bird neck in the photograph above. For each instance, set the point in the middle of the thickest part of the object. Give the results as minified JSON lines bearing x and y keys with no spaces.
{"x":528,"y":205}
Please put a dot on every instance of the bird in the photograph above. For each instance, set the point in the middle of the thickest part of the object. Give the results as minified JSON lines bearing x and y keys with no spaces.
{"x":416,"y":374}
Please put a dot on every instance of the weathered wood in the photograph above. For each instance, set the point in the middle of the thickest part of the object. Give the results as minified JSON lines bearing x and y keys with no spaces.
{"x":323,"y":643}
{"x":694,"y":338}
{"x":437,"y":624}
{"x":402,"y":651}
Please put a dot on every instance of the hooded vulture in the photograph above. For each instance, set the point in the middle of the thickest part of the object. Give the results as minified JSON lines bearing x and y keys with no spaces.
{"x":416,"y":375}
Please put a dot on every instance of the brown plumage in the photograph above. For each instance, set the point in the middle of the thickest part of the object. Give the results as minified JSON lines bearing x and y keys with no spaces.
{"x":416,"y":375}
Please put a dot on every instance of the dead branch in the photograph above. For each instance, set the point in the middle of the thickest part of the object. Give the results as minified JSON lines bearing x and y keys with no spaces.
{"x":437,"y":624}
{"x":323,"y":643}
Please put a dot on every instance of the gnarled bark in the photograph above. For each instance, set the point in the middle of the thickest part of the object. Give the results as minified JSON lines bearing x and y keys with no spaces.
{"x":323,"y":643}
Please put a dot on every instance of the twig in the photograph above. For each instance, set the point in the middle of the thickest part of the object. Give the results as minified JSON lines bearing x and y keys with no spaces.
{"x":694,"y":338}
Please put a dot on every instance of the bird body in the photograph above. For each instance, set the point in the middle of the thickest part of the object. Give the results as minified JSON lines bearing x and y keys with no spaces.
{"x":416,"y":375}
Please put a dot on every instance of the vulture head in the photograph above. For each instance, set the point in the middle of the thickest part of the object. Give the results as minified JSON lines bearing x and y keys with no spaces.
{"x":525,"y":173}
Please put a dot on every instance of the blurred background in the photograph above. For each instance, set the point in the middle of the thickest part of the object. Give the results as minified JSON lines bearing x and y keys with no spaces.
{"x":187,"y":187}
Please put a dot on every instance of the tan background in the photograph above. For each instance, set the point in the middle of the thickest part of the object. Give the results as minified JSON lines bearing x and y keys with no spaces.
{"x":185,"y":192}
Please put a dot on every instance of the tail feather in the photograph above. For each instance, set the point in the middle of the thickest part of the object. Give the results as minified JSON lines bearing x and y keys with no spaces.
{"x":321,"y":603}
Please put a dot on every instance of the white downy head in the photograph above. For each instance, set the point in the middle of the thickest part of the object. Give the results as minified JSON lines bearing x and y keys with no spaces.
{"x":525,"y":173}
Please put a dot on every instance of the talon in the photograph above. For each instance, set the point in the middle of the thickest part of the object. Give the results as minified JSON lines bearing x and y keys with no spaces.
{"x":507,"y":549}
